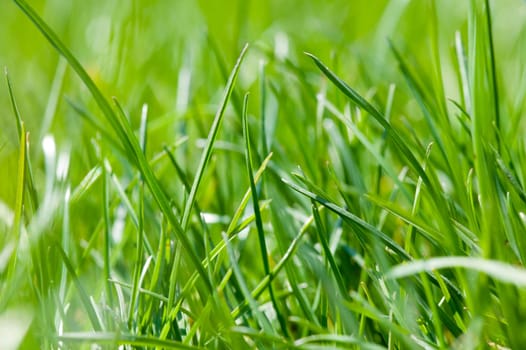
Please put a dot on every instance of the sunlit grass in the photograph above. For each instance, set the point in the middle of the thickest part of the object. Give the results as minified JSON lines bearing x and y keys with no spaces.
{"x":267,"y":176}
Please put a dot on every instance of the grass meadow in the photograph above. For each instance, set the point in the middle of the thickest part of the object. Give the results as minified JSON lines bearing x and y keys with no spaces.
{"x":263,"y":174}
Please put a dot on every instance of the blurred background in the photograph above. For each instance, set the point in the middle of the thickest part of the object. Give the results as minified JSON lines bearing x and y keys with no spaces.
{"x":172,"y":55}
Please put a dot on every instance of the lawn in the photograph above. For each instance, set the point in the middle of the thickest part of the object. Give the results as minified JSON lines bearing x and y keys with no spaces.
{"x":263,"y":174}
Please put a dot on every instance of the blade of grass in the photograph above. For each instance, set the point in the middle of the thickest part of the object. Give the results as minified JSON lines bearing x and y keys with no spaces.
{"x":54,"y":95}
{"x":492,"y":66}
{"x":497,"y":270}
{"x":113,"y":339}
{"x":97,"y":125}
{"x":133,"y":306}
{"x":107,"y":235}
{"x":85,"y":184}
{"x":29,"y":182}
{"x":484,"y":132}
{"x":363,"y":225}
{"x":16,"y":229}
{"x":362,"y":103}
{"x":327,"y":251}
{"x":257,"y":214}
{"x":258,"y":290}
{"x":263,"y":321}
{"x":205,"y":157}
{"x":349,"y":216}
{"x":84,"y":298}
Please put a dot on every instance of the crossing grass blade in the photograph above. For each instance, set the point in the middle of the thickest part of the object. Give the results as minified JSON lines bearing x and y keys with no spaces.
{"x":350,"y":217}
{"x":212,"y":135}
{"x":362,"y":103}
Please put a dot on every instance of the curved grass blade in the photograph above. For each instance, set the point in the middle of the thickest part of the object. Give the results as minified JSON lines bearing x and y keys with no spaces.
{"x":257,"y":214}
{"x":362,"y":103}
{"x":496,"y":269}
{"x":350,"y":217}
{"x":430,"y":180}
{"x":346,"y":215}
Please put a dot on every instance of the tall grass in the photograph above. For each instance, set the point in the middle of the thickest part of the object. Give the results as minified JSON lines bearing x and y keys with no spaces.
{"x":369,"y":202}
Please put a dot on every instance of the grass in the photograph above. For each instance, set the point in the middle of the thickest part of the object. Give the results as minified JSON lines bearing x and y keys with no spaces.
{"x":353,"y":177}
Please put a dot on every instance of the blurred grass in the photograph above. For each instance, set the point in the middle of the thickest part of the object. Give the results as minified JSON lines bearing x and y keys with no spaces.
{"x":422,"y":158}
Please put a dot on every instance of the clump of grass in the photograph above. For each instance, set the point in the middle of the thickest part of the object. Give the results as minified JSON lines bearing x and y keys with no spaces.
{"x":320,"y":218}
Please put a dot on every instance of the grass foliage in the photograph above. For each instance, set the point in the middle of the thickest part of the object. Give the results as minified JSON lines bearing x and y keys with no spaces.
{"x":166,"y":185}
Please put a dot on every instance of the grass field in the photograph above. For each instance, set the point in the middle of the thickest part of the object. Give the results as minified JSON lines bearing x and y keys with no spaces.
{"x":263,"y":174}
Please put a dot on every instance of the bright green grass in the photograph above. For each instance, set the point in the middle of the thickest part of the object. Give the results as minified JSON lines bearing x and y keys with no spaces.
{"x":354,"y":177}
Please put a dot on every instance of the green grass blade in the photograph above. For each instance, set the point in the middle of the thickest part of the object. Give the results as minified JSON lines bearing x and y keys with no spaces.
{"x":53,"y":99}
{"x":492,"y":64}
{"x":107,"y":235}
{"x":97,"y":125}
{"x":29,"y":182}
{"x":16,"y":229}
{"x":257,"y":214}
{"x":115,"y":339}
{"x":362,"y":103}
{"x":133,"y":306}
{"x":262,"y":319}
{"x":327,"y":251}
{"x":279,"y":266}
{"x":350,"y":217}
{"x":205,"y":157}
{"x":484,"y":121}
{"x":84,"y":298}
{"x":495,"y":269}
{"x":263,"y":107}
